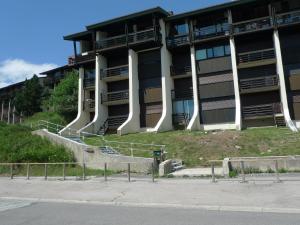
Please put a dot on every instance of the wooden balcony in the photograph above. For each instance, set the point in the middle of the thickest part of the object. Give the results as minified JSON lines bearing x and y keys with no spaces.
{"x":115,"y":98}
{"x":89,"y":82}
{"x":254,"y":25}
{"x":178,"y":40}
{"x":289,"y":18}
{"x":114,"y":73}
{"x":256,"y":58}
{"x":181,"y":71}
{"x":259,"y":84}
{"x":261,"y":111}
{"x":181,"y":94}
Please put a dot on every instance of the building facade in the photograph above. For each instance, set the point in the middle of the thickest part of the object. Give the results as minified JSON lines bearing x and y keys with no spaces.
{"x":229,"y":66}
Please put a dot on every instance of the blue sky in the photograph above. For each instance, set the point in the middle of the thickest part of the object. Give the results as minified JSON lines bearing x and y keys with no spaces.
{"x":32,"y":31}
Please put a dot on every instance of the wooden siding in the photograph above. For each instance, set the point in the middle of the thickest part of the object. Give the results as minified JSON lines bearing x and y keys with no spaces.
{"x":214,"y":65}
{"x":295,"y":82}
{"x":216,"y":78}
{"x":218,"y":116}
{"x":216,"y":90}
{"x":221,"y":104}
{"x":152,"y":95}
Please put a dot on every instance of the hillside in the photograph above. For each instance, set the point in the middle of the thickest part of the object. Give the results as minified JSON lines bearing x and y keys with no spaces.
{"x":196,"y":148}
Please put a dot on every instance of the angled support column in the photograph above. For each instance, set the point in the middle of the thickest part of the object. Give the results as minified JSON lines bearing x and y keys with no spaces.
{"x":81,"y":119}
{"x":14,"y":112}
{"x":2,"y":110}
{"x":165,"y":122}
{"x":195,"y":121}
{"x":101,"y":112}
{"x":283,"y":93}
{"x":238,"y":113}
{"x":8,"y":112}
{"x":132,"y":124}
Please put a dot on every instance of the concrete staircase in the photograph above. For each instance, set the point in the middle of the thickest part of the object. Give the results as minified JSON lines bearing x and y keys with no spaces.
{"x":279,"y":120}
{"x":177,"y":165}
{"x":109,"y":150}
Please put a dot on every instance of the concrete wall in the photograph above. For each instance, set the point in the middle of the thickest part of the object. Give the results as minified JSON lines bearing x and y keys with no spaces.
{"x":94,"y":158}
{"x":165,"y":167}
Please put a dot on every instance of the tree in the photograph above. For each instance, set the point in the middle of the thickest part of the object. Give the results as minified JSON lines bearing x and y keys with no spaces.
{"x":28,"y":100}
{"x":64,"y":98}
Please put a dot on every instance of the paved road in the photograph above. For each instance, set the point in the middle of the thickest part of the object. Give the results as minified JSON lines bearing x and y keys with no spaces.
{"x":33,"y":213}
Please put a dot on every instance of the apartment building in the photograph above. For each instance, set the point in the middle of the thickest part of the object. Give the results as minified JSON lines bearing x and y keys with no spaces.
{"x":229,"y":66}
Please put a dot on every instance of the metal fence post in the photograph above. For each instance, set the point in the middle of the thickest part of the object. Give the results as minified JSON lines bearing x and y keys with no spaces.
{"x":105,"y":171}
{"x":28,"y":168}
{"x":131,"y":150}
{"x":243,"y":172}
{"x":128,"y":172}
{"x":153,"y":172}
{"x":83,"y":171}
{"x":64,"y":171}
{"x":277,"y":172}
{"x":213,"y":172}
{"x":11,"y":171}
{"x":46,"y":171}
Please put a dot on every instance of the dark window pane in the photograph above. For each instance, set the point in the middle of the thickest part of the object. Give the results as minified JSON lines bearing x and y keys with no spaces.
{"x":219,"y":51}
{"x":210,"y":53}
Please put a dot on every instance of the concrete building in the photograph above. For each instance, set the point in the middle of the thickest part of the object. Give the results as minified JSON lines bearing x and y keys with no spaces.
{"x":229,"y":66}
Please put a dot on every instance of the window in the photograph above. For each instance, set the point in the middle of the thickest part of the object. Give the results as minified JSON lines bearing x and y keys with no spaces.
{"x":201,"y":54}
{"x":215,"y":52}
{"x":184,"y":107}
{"x":89,"y":73}
{"x":179,"y":29}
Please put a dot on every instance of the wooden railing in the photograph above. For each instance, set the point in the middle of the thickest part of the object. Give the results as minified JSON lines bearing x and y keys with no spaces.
{"x":115,"y":96}
{"x":259,"y":82}
{"x":252,"y":25}
{"x":114,"y":71}
{"x":181,"y":70}
{"x":253,"y":56}
{"x":255,"y":111}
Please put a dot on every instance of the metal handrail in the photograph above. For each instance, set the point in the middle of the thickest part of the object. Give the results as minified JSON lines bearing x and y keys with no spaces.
{"x":180,"y":70}
{"x":178,"y":40}
{"x":111,"y":41}
{"x":185,"y":93}
{"x":261,"y":110}
{"x":115,"y":96}
{"x":252,"y":25}
{"x":141,"y":35}
{"x":288,"y":18}
{"x":258,"y":82}
{"x":89,"y":82}
{"x":253,"y":56}
{"x":115,"y":71}
{"x":208,"y":32}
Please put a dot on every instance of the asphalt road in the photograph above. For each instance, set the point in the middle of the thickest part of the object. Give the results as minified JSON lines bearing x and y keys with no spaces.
{"x":17,"y":212}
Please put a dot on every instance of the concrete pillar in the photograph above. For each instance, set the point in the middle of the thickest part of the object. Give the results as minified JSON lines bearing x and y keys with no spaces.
{"x":8,"y":112}
{"x":81,"y":118}
{"x":195,"y":120}
{"x":2,"y":110}
{"x":14,"y":112}
{"x":165,"y":122}
{"x":238,"y":113}
{"x":283,"y":93}
{"x":132,"y":124}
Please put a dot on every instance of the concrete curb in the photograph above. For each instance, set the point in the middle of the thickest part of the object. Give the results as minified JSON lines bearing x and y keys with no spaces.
{"x":164,"y":205}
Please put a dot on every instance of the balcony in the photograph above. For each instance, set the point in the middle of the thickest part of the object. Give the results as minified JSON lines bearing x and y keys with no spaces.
{"x":114,"y":122}
{"x":114,"y":73}
{"x":85,"y":57}
{"x":128,"y":39}
{"x":181,"y":94}
{"x":89,"y":82}
{"x":181,"y":71}
{"x":181,"y":120}
{"x":211,"y":32}
{"x":248,"y":26}
{"x":115,"y":98}
{"x":256,"y":58}
{"x":89,"y":105}
{"x":261,"y":111}
{"x":289,"y":18}
{"x":178,"y":40}
{"x":259,"y":84}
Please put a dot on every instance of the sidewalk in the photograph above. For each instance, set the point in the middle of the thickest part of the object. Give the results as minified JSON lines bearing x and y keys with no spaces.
{"x":259,"y":196}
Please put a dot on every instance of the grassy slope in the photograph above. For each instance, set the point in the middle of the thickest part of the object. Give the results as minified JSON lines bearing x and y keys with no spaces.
{"x":196,"y":148}
{"x":48,"y":116}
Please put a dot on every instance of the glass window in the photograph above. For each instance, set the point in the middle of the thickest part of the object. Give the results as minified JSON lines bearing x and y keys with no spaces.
{"x":181,"y":29}
{"x":219,"y":51}
{"x":210,"y":53}
{"x":178,"y":107}
{"x":201,"y":54}
{"x":227,"y":50}
{"x":89,"y":73}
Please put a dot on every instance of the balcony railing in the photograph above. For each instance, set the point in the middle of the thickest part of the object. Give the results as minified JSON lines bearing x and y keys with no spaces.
{"x":141,"y":36}
{"x":246,"y":85}
{"x":288,"y":18}
{"x":266,"y":110}
{"x":185,"y":93}
{"x":115,"y":96}
{"x":211,"y":31}
{"x":181,"y":70}
{"x":116,"y":41}
{"x":90,"y":56}
{"x":181,"y":119}
{"x":89,"y":82}
{"x":252,"y":25}
{"x":114,"y":71}
{"x":116,"y":121}
{"x":254,"y":56}
{"x":178,"y":40}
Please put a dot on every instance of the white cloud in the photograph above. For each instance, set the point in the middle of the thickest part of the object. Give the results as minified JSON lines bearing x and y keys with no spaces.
{"x":17,"y":70}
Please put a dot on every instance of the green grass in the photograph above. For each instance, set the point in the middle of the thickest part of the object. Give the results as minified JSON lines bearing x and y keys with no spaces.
{"x":197,"y":148}
{"x":48,"y":116}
